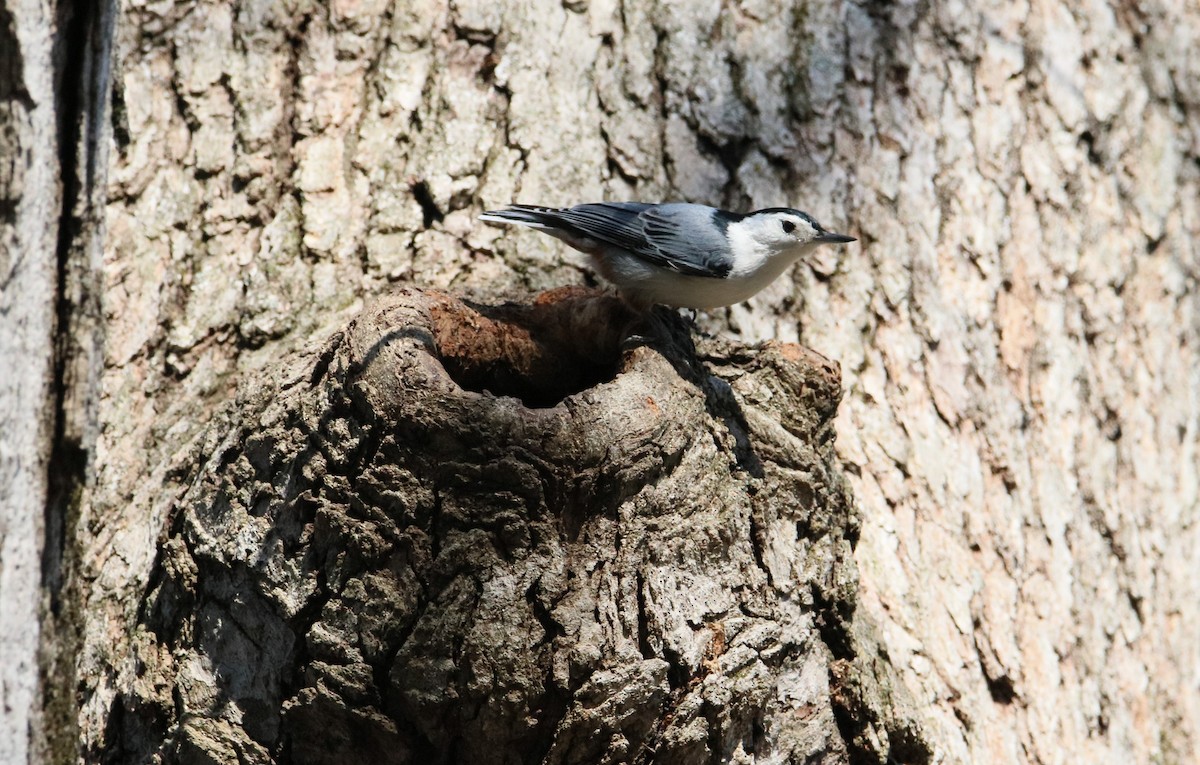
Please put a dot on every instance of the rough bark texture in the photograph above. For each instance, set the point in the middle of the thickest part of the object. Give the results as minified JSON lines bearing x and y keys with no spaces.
{"x":377,"y":564}
{"x":1023,"y":417}
{"x":1018,"y":336}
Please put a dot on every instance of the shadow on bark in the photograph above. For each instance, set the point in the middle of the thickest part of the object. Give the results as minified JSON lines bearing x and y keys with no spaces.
{"x":467,"y":533}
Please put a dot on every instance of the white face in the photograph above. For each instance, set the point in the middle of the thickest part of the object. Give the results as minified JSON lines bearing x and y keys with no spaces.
{"x":778,"y":236}
{"x":782,"y":231}
{"x":791,"y":229}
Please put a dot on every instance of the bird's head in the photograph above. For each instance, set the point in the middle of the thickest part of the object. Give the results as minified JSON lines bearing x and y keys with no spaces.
{"x":782,"y":229}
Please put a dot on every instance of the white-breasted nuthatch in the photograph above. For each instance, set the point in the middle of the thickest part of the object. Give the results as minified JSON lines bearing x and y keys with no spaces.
{"x":680,"y":255}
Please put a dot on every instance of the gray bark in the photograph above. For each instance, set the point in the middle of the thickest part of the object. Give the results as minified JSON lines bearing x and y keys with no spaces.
{"x":1017,"y":335}
{"x":29,"y":210}
{"x":54,"y":68}
{"x":637,"y":557}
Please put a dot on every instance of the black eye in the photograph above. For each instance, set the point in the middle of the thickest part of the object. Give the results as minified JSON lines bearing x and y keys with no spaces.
{"x":788,"y":227}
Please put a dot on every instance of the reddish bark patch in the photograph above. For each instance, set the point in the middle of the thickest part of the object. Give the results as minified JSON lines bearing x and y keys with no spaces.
{"x":567,"y":340}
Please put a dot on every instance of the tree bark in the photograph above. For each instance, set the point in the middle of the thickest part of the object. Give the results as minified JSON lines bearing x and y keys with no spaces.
{"x":29,"y":209}
{"x":382,"y":559}
{"x":54,"y":88}
{"x":337,"y":511}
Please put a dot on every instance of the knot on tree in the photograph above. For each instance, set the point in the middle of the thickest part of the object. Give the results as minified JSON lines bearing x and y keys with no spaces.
{"x":468,"y":533}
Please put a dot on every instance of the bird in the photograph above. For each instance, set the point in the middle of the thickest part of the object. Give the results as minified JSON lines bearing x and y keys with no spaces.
{"x":679,"y":254}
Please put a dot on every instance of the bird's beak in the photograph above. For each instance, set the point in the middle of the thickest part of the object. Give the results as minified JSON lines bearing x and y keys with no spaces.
{"x":826,"y":237}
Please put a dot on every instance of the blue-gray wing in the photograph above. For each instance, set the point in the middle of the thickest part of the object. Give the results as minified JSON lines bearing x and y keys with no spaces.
{"x":686,"y":238}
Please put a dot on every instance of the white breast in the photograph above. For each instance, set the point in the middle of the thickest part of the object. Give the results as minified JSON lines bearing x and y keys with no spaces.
{"x":646,"y":284}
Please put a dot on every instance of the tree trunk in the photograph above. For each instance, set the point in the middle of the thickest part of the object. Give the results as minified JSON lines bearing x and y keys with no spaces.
{"x":29,"y":209}
{"x":54,"y":87}
{"x":302,"y":500}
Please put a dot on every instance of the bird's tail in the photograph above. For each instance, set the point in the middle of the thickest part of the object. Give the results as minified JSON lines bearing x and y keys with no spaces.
{"x":525,"y":215}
